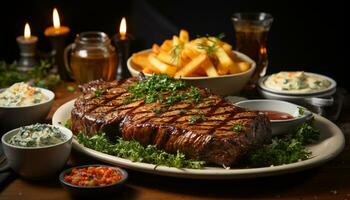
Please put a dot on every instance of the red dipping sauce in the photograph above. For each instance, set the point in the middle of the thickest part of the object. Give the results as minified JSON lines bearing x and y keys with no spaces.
{"x":275,"y":115}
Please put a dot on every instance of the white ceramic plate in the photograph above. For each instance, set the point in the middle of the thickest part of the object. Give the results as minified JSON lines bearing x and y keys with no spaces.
{"x":329,"y":146}
{"x":332,"y":87}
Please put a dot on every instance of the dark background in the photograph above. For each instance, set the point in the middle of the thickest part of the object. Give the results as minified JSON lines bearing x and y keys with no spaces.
{"x":304,"y":35}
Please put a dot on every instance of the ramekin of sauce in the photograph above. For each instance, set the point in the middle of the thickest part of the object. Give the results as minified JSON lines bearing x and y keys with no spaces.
{"x":93,"y":180}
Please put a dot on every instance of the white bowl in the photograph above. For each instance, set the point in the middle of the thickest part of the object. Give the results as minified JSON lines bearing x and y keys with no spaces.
{"x":332,"y":87}
{"x":279,"y":126}
{"x":37,"y":162}
{"x":296,"y":97}
{"x":221,"y":85}
{"x":299,"y":99}
{"x":16,"y":116}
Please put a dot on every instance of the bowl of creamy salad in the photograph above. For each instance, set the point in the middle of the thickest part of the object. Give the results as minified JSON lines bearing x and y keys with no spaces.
{"x":22,"y":104}
{"x":37,"y":151}
{"x":297,"y":83}
{"x":295,"y":86}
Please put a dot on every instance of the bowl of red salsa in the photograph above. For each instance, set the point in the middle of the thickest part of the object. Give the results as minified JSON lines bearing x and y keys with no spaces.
{"x":284,"y":116}
{"x":92,"y":180}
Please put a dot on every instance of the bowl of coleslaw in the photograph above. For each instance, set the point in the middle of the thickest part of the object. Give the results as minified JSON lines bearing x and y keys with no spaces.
{"x":22,"y":104}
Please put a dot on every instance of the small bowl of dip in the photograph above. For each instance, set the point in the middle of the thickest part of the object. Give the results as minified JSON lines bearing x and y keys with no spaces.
{"x":284,"y":116}
{"x":22,"y":104}
{"x":93,"y":180}
{"x":295,"y":86}
{"x":37,"y":151}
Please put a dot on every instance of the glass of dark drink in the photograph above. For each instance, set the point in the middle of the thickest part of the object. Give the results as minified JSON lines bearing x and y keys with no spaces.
{"x":251,"y":36}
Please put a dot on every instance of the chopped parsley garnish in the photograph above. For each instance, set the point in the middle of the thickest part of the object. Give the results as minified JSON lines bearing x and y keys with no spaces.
{"x":135,"y":152}
{"x":68,"y":123}
{"x":98,"y":93}
{"x":286,"y":150}
{"x":196,"y":118}
{"x":301,"y":111}
{"x":237,"y":128}
{"x":155,"y":87}
{"x":159,"y":110}
{"x":183,"y":111}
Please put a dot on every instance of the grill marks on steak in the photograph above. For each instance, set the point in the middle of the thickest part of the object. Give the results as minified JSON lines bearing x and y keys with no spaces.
{"x":211,"y":139}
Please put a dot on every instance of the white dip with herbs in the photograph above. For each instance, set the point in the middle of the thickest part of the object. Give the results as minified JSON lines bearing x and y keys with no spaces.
{"x":37,"y":135}
{"x":296,"y":82}
{"x":21,"y":94}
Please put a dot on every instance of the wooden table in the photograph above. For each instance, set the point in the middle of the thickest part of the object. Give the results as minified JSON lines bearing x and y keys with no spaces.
{"x":330,"y":181}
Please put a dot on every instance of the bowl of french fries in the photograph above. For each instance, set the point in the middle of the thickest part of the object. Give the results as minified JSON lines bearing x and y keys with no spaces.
{"x":206,"y":62}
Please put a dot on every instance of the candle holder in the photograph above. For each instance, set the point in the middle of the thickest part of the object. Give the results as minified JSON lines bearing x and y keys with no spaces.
{"x":27,"y":47}
{"x":122,"y":42}
{"x":58,"y":46}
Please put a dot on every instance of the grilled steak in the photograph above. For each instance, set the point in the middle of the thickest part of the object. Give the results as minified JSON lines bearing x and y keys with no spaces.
{"x":210,"y":129}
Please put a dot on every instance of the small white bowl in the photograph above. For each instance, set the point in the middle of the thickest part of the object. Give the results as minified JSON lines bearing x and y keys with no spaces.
{"x":296,"y":97}
{"x":37,"y":162}
{"x":221,"y":85}
{"x":279,"y":126}
{"x":16,"y":116}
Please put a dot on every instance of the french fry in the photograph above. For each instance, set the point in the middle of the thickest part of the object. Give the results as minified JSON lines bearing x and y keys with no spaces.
{"x":141,"y":60}
{"x":160,"y":66}
{"x":155,"y":48}
{"x":226,"y":62}
{"x":209,"y":68}
{"x":147,"y":70}
{"x":243,"y":66}
{"x":184,"y":36}
{"x":166,"y":58}
{"x":189,"y":53}
{"x":227,"y":47}
{"x":176,"y":41}
{"x":167,"y":45}
{"x":191,"y":66}
{"x":199,"y":72}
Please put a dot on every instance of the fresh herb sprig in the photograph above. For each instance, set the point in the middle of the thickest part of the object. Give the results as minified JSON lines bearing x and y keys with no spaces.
{"x":175,"y":53}
{"x":135,"y":152}
{"x":212,"y":47}
{"x":38,"y":76}
{"x":286,"y":150}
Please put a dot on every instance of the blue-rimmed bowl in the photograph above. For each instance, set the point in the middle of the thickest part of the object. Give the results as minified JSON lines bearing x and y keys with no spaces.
{"x":299,"y":113}
{"x":93,"y":191}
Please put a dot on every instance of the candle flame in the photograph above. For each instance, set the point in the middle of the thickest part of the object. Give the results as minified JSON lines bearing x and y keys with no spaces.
{"x":56,"y":18}
{"x":27,"y":31}
{"x":122,"y":27}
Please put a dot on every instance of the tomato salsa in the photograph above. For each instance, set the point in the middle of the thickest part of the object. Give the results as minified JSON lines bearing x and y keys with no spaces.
{"x":93,"y":176}
{"x":275,"y":115}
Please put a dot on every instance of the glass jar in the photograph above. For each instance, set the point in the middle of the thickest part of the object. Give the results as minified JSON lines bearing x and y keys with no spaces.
{"x":91,"y":57}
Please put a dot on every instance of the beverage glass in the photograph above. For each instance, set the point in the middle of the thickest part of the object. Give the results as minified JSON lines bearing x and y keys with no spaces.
{"x":91,"y":57}
{"x":251,"y":36}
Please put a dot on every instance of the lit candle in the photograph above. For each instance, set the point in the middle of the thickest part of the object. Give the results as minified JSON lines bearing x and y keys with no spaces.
{"x":27,"y":37}
{"x":122,"y":41}
{"x":57,"y":35}
{"x":27,"y":46}
{"x":122,"y":29}
{"x":56,"y":29}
